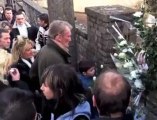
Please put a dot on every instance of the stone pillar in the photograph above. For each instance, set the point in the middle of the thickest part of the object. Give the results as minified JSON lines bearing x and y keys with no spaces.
{"x":100,"y":42}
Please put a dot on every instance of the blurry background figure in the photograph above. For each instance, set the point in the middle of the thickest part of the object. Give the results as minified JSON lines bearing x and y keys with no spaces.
{"x":17,"y":104}
{"x":7,"y":26}
{"x":23,"y":28}
{"x":8,"y":15}
{"x":24,"y":13}
{"x":42,"y":36}
{"x":1,"y":12}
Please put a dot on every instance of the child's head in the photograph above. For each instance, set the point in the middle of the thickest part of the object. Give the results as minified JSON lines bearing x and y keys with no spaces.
{"x":87,"y":68}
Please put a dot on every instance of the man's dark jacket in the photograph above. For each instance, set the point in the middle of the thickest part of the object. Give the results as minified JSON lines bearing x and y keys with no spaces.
{"x":49,"y":55}
{"x":32,"y":33}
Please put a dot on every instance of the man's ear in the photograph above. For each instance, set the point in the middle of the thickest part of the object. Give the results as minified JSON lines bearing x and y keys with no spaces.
{"x":94,"y":101}
{"x":58,"y":38}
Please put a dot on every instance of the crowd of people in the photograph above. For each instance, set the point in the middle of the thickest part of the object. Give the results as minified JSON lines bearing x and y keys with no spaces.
{"x":37,"y":80}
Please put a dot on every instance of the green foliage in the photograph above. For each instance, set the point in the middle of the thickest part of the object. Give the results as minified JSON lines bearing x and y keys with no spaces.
{"x":150,"y":45}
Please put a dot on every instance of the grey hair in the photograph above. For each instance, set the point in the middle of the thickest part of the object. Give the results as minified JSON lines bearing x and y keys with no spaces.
{"x":58,"y":27}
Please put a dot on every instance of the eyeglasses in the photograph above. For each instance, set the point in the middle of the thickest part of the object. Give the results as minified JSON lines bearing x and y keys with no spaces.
{"x":38,"y":116}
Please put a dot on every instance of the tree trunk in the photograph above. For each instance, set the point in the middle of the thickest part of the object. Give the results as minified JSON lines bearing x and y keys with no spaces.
{"x":63,"y":10}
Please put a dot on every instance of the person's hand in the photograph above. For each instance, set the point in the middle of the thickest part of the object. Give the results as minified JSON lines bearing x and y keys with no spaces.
{"x":14,"y":72}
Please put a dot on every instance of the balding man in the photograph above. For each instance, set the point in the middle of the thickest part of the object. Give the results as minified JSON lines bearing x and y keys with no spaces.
{"x":111,"y":96}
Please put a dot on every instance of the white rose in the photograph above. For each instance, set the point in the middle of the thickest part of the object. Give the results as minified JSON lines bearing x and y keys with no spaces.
{"x":122,"y":43}
{"x":150,"y":20}
{"x":118,"y":65}
{"x":138,"y":14}
{"x":130,"y":64}
{"x":122,"y":55}
{"x":115,"y":54}
{"x":138,"y":84}
{"x":101,"y":66}
{"x":133,"y":74}
{"x":125,"y":50}
{"x":94,"y":78}
{"x":125,"y":65}
{"x":136,"y":23}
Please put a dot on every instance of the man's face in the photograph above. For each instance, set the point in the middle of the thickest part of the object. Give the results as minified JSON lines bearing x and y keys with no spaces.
{"x":20,"y":19}
{"x":8,"y":14}
{"x":66,"y":37}
{"x":5,"y":41}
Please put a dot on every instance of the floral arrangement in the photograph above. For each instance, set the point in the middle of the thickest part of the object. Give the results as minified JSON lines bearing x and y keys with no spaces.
{"x":125,"y":60}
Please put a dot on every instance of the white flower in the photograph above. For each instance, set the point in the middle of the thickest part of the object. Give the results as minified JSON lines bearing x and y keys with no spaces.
{"x":101,"y":66}
{"x":130,"y":64}
{"x":150,"y":20}
{"x":136,"y":23}
{"x":138,"y":84}
{"x":118,"y":65}
{"x":125,"y":65}
{"x":133,"y":74}
{"x":122,"y":55}
{"x":122,"y":43}
{"x":94,"y":78}
{"x":115,"y":54}
{"x":125,"y":50}
{"x":138,"y":14}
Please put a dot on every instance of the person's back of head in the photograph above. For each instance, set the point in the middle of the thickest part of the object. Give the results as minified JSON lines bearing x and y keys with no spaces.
{"x":16,"y":104}
{"x":111,"y":93}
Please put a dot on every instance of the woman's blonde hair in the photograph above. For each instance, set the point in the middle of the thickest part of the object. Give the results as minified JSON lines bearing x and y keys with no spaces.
{"x":18,"y":47}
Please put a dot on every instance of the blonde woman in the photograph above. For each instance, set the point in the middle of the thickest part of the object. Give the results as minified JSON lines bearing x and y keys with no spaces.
{"x":22,"y":56}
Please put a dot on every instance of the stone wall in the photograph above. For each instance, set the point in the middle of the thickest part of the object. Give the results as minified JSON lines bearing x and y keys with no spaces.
{"x":100,"y":42}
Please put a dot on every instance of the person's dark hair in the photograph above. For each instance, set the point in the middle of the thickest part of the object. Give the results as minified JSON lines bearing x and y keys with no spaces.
{"x":85,"y":65}
{"x":16,"y":104}
{"x":44,"y":17}
{"x":21,"y":10}
{"x":63,"y":81}
{"x":19,"y":13}
{"x":112,"y":93}
{"x":8,"y":8}
{"x":2,"y":31}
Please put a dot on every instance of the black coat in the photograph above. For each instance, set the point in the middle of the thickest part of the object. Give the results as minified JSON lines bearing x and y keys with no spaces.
{"x":32,"y":33}
{"x":24,"y":70}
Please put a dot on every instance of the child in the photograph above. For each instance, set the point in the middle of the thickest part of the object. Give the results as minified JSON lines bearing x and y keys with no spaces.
{"x":87,"y":71}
